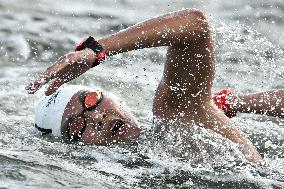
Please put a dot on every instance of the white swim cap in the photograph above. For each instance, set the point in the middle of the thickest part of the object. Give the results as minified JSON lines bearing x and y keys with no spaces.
{"x":50,"y":109}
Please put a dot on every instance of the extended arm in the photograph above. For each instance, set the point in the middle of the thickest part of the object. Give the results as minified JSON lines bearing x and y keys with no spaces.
{"x":269,"y":103}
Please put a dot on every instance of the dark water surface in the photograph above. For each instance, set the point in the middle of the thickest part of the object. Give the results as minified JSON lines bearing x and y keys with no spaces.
{"x":33,"y":34}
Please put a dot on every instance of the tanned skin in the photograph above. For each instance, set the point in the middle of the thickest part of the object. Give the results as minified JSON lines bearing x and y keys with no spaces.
{"x":184,"y":92}
{"x":270,"y":103}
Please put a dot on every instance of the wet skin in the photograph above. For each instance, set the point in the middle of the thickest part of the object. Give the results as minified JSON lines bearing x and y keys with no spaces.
{"x":186,"y":85}
{"x":109,"y":122}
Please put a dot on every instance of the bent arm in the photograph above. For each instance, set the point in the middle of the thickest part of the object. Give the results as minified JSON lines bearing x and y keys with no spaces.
{"x":173,"y":29}
{"x":269,"y":103}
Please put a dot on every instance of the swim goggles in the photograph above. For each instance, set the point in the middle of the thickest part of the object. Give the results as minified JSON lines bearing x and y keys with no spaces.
{"x":89,"y":101}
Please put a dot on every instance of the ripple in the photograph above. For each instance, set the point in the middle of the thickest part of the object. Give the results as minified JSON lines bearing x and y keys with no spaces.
{"x":35,"y":33}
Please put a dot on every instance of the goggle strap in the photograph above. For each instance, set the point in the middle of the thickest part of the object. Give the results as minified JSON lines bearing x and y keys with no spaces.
{"x":77,"y":136}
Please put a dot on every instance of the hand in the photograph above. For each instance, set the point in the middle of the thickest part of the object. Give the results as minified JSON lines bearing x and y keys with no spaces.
{"x":67,"y":68}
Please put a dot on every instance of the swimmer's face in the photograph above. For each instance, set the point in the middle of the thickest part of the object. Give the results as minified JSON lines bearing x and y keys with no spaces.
{"x":108,"y":123}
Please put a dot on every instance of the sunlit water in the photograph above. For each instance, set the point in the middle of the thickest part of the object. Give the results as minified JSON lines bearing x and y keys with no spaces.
{"x":33,"y":34}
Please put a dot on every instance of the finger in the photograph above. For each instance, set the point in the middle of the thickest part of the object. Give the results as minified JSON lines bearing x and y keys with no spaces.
{"x":46,"y":76}
{"x":37,"y":84}
{"x":41,"y":80}
{"x":54,"y":86}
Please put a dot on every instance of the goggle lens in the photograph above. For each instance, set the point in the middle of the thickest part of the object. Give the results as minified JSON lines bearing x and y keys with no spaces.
{"x":92,"y":99}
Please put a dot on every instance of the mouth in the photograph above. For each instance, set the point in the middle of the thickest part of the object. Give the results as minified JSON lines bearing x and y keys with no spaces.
{"x":116,"y":125}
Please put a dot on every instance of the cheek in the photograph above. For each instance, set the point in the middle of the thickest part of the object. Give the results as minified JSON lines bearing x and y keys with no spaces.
{"x":96,"y":137}
{"x":112,"y":110}
{"x":76,"y":125}
{"x":116,"y":109}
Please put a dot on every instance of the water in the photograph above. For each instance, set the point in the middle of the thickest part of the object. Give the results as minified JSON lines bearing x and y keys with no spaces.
{"x":33,"y":34}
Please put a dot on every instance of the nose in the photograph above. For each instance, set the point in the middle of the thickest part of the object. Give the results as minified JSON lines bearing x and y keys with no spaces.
{"x":100,"y":116}
{"x":97,"y":119}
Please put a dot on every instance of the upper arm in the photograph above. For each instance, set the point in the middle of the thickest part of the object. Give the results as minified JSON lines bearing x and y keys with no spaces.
{"x":189,"y":71}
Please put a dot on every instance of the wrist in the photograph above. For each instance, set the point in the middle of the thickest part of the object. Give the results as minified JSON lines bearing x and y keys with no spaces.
{"x":222,"y":100}
{"x":89,"y":55}
{"x":238,"y":104}
{"x":93,"y":45}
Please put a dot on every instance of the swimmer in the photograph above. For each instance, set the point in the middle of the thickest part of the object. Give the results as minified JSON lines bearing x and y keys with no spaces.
{"x":184,"y":93}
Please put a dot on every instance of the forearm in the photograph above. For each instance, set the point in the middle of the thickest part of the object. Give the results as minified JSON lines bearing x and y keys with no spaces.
{"x":246,"y":147}
{"x":270,"y":103}
{"x":222,"y":125}
{"x":179,"y":28}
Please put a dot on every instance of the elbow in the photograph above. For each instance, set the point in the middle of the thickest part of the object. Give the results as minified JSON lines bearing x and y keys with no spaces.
{"x":194,"y":21}
{"x":198,"y":19}
{"x":196,"y":13}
